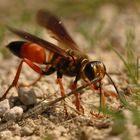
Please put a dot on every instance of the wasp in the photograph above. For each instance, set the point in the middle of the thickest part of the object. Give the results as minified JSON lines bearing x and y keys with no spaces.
{"x":66,"y":58}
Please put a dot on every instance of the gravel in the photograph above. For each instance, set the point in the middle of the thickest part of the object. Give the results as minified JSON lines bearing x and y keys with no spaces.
{"x":4,"y":106}
{"x":14,"y":113}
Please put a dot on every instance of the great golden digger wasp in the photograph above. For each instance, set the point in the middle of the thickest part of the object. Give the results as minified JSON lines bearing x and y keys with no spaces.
{"x":64,"y":59}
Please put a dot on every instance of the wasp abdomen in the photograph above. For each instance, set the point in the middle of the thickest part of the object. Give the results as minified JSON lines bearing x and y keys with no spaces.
{"x":33,"y":52}
{"x":28,"y":50}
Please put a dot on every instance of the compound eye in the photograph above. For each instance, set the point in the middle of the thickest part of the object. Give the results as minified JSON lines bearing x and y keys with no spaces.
{"x":89,"y":71}
{"x":94,"y":69}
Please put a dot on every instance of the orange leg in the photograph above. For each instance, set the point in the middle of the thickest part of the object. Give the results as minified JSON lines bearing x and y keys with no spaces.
{"x":102,"y":99}
{"x":59,"y":81}
{"x":106,"y":92}
{"x":101,"y":92}
{"x":77,"y":96}
{"x":14,"y":83}
{"x":102,"y":96}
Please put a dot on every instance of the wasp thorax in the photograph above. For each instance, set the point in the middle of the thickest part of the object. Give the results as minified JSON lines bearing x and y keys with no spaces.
{"x":94,"y":69}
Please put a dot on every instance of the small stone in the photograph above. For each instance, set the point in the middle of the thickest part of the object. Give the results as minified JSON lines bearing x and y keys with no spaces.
{"x":26,"y":131}
{"x":5,"y":134}
{"x":15,"y":129}
{"x":14,"y":114}
{"x":27,"y":96}
{"x":4,"y":106}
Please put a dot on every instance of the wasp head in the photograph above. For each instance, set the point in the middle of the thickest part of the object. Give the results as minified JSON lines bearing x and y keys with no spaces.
{"x":94,"y":69}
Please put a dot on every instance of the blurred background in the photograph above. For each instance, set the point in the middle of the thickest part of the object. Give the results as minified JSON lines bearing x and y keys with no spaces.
{"x":99,"y":22}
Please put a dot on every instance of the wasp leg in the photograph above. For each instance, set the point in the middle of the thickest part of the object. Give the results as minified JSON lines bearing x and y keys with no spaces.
{"x":59,"y":81}
{"x":77,"y":96}
{"x":106,"y":92}
{"x":102,"y":97}
{"x":14,"y":83}
{"x":102,"y":104}
{"x":101,"y":93}
{"x":49,"y":70}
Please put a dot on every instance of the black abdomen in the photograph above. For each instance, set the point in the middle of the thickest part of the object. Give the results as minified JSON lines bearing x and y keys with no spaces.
{"x":15,"y":47}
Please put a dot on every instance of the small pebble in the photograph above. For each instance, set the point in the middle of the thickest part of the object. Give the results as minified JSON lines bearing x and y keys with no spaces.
{"x":15,"y":129}
{"x":5,"y":134}
{"x":4,"y":106}
{"x":14,"y":114}
{"x":26,"y":131}
{"x":27,"y":96}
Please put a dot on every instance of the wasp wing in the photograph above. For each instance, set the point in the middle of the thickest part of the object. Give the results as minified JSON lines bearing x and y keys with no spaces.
{"x":45,"y":44}
{"x":57,"y":29}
